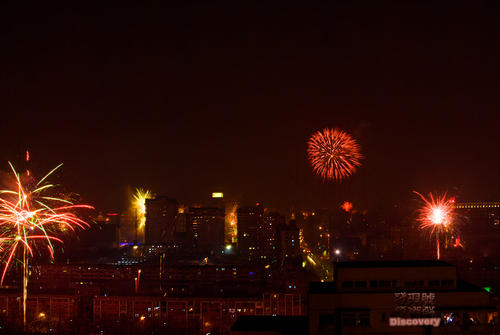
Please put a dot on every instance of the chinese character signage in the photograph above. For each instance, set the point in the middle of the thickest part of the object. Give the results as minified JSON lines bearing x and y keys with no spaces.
{"x":414,"y":309}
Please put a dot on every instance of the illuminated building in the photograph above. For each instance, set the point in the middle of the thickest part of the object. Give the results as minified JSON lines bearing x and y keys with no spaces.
{"x":207,"y":228}
{"x":269,"y":242}
{"x":214,"y":314}
{"x":315,"y":226}
{"x":128,"y":228}
{"x":216,"y":200}
{"x":250,"y":229}
{"x":160,"y":220}
{"x":398,"y":297}
{"x":58,"y":310}
{"x":289,"y":245}
{"x":479,"y":223}
{"x":476,"y":205}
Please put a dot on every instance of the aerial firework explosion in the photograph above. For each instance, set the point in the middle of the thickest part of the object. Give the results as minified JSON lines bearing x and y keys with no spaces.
{"x":436,"y":214}
{"x":31,"y":216}
{"x":334,"y":154}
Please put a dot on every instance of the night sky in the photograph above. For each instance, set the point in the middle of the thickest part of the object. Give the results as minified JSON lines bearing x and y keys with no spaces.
{"x":194,"y":98}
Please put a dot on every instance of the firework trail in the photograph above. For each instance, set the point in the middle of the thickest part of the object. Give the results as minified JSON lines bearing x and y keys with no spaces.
{"x":31,"y":217}
{"x":334,"y":154}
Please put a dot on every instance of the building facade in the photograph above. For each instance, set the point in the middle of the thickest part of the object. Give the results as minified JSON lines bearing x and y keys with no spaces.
{"x":160,"y":220}
{"x":200,"y":315}
{"x":250,"y":231}
{"x":410,"y":297}
{"x":207,"y":225}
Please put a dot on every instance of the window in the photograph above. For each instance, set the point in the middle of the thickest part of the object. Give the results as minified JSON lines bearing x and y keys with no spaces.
{"x":326,"y":323}
{"x":450,"y":319}
{"x":414,"y":283}
{"x":373,"y":283}
{"x":326,"y":319}
{"x":355,"y":319}
{"x":446,"y":282}
{"x":396,"y":283}
{"x":363,"y":320}
{"x":360,"y":284}
{"x":384,"y":283}
{"x":347,"y":284}
{"x":434,"y":282}
{"x":348,"y":319}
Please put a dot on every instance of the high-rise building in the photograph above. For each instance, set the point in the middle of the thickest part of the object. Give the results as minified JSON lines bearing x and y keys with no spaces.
{"x":289,"y":244}
{"x":160,"y":220}
{"x":269,"y":241}
{"x":250,"y":227}
{"x":128,"y":228}
{"x":479,"y":223}
{"x":207,"y":228}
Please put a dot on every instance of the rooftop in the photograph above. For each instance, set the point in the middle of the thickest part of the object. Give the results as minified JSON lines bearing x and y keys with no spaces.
{"x":391,"y":264}
{"x":281,"y":324}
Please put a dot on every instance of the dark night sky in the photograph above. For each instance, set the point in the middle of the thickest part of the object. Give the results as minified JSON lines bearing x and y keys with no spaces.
{"x":193,"y":98}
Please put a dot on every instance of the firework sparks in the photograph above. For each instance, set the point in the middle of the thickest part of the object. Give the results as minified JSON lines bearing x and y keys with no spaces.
{"x":334,"y":154}
{"x":346,"y":206}
{"x":436,"y":214}
{"x":30,"y":216}
{"x":231,"y":230}
{"x":139,"y":205}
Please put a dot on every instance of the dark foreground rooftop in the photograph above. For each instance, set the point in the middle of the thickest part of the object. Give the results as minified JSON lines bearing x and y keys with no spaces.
{"x":286,"y":325}
{"x":391,"y":264}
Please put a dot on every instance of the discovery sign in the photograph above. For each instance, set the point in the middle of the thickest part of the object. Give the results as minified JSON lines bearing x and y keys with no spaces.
{"x":414,"y":309}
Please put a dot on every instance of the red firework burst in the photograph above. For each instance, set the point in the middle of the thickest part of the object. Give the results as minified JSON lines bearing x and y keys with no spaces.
{"x":334,"y":154}
{"x":436,"y":214}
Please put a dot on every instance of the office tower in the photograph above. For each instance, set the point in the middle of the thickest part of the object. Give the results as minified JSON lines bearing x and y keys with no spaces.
{"x":160,"y":220}
{"x":207,"y":228}
{"x":250,"y":226}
